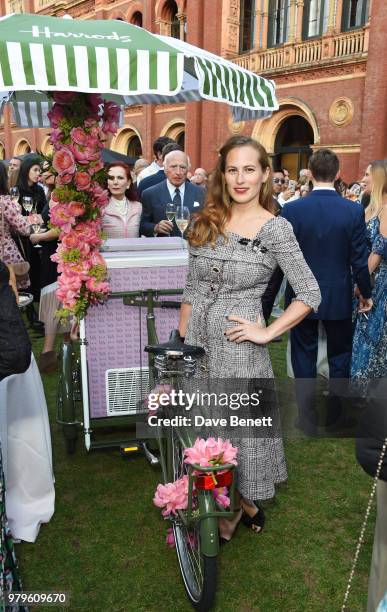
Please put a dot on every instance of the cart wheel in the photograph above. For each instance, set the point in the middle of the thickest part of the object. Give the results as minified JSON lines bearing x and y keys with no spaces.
{"x":67,"y":416}
{"x":198,"y":570}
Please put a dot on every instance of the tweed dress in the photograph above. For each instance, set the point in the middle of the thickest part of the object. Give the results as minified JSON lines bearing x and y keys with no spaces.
{"x":230,"y":278}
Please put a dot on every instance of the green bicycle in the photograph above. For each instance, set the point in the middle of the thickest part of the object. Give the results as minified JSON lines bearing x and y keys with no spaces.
{"x":195,"y":529}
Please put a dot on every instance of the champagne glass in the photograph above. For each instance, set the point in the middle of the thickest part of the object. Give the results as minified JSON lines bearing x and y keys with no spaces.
{"x":14,"y":193}
{"x":182,"y":220}
{"x":171,"y":211}
{"x":27,"y":204}
{"x":36,"y":227}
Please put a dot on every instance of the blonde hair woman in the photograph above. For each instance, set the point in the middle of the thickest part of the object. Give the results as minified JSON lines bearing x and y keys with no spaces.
{"x":369,"y":354}
{"x":236,"y":242}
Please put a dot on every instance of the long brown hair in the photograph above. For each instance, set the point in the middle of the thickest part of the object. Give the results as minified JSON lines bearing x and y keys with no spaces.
{"x":210,"y":222}
{"x":379,"y":188}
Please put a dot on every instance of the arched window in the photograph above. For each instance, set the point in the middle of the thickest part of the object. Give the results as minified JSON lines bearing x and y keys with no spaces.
{"x":247,"y":21}
{"x":174,"y":26}
{"x":137,"y":19}
{"x":180,"y":139}
{"x":278,"y":27}
{"x":292,"y":147}
{"x":134,"y":148}
{"x":22,"y":148}
{"x":355,"y":14}
{"x":315,"y":18}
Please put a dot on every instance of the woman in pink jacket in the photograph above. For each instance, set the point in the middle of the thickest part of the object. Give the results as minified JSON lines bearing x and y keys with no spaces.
{"x":122,"y":214}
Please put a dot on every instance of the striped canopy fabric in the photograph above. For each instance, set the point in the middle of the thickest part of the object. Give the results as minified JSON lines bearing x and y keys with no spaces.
{"x":39,"y":54}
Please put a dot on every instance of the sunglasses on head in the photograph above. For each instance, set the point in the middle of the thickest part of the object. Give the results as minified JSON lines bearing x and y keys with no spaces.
{"x":277,"y":180}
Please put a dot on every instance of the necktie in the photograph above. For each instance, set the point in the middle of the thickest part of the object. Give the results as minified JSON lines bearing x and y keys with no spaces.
{"x":177,"y":199}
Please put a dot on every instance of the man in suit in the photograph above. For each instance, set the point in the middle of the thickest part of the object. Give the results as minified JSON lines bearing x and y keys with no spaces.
{"x":331,"y":233}
{"x":175,"y":189}
{"x":160,"y":176}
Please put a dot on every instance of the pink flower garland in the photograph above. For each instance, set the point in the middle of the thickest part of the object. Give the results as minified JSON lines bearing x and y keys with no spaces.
{"x":80,"y":123}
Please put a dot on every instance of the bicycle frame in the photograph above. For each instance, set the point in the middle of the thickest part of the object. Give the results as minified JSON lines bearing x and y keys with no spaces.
{"x":209,"y":510}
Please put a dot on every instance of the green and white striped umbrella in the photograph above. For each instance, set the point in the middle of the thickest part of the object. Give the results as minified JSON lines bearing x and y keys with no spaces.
{"x":39,"y":54}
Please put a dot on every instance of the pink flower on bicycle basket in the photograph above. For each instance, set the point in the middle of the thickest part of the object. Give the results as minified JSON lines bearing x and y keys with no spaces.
{"x":221,"y":496}
{"x":172,"y":496}
{"x":211,"y":452}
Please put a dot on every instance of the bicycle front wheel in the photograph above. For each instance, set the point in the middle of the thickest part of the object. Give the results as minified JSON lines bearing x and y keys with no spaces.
{"x":198,"y":569}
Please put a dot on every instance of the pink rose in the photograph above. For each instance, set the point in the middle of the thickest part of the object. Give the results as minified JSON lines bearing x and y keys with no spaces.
{"x":84,"y":155}
{"x":55,"y":115}
{"x":76,"y":209}
{"x":82,"y":180}
{"x":79,"y":136}
{"x":63,"y":162}
{"x":95,"y":167}
{"x":97,"y":286}
{"x":64,"y":179}
{"x":56,"y":138}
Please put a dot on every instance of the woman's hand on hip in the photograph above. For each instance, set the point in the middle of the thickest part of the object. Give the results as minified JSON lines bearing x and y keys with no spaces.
{"x":247,"y":331}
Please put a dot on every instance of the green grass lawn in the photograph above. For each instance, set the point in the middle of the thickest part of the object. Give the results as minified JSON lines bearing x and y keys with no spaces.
{"x":105,"y":543}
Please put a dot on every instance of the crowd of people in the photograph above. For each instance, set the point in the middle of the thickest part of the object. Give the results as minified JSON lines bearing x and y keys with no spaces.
{"x":254,"y":234}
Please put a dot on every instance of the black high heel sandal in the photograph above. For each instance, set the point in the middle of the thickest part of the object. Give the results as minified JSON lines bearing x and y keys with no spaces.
{"x":256,"y":522}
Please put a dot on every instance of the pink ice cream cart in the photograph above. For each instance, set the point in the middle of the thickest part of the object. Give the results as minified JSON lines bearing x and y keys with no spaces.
{"x":112,"y":374}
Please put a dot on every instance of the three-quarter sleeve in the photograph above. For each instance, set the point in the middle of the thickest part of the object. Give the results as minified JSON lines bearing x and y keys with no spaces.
{"x":286,"y":250}
{"x":189,"y":290}
{"x":15,"y":219}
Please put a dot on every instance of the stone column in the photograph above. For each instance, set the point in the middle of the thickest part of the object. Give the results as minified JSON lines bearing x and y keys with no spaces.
{"x":331,"y":17}
{"x":181,"y":18}
{"x":265,"y":23}
{"x":292,"y":21}
{"x":339,"y":15}
{"x":258,"y":27}
{"x":300,"y":12}
{"x":373,"y":141}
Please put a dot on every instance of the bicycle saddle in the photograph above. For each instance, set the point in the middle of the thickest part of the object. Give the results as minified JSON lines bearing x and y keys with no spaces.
{"x":177,"y":346}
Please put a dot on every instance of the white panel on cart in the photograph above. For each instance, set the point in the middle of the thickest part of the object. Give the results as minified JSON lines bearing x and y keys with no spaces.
{"x":125,"y":389}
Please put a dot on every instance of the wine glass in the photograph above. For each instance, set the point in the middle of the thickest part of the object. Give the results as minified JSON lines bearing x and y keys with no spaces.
{"x":36,"y":227}
{"x":27,"y":203}
{"x":171,"y":211}
{"x":14,"y":193}
{"x":182,"y":219}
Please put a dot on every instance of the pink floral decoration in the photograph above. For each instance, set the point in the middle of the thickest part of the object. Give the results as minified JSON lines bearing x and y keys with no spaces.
{"x":211,"y":452}
{"x":221,"y":496}
{"x":172,"y":496}
{"x":80,"y":123}
{"x":170,"y":539}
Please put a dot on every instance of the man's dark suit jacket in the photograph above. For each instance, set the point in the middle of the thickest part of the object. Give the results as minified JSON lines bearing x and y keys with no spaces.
{"x":155,"y":199}
{"x":151,"y":180}
{"x":331,"y":233}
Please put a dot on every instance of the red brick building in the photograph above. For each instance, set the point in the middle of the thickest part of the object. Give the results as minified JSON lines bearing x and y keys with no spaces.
{"x":327,"y":57}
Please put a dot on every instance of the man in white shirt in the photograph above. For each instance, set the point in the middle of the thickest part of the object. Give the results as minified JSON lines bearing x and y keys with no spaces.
{"x":157,"y":163}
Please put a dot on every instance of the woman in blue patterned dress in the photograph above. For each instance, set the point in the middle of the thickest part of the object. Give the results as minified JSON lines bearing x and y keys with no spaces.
{"x":369,"y":352}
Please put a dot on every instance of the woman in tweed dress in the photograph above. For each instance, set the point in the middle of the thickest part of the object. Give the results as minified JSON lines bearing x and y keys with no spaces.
{"x":235,"y":245}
